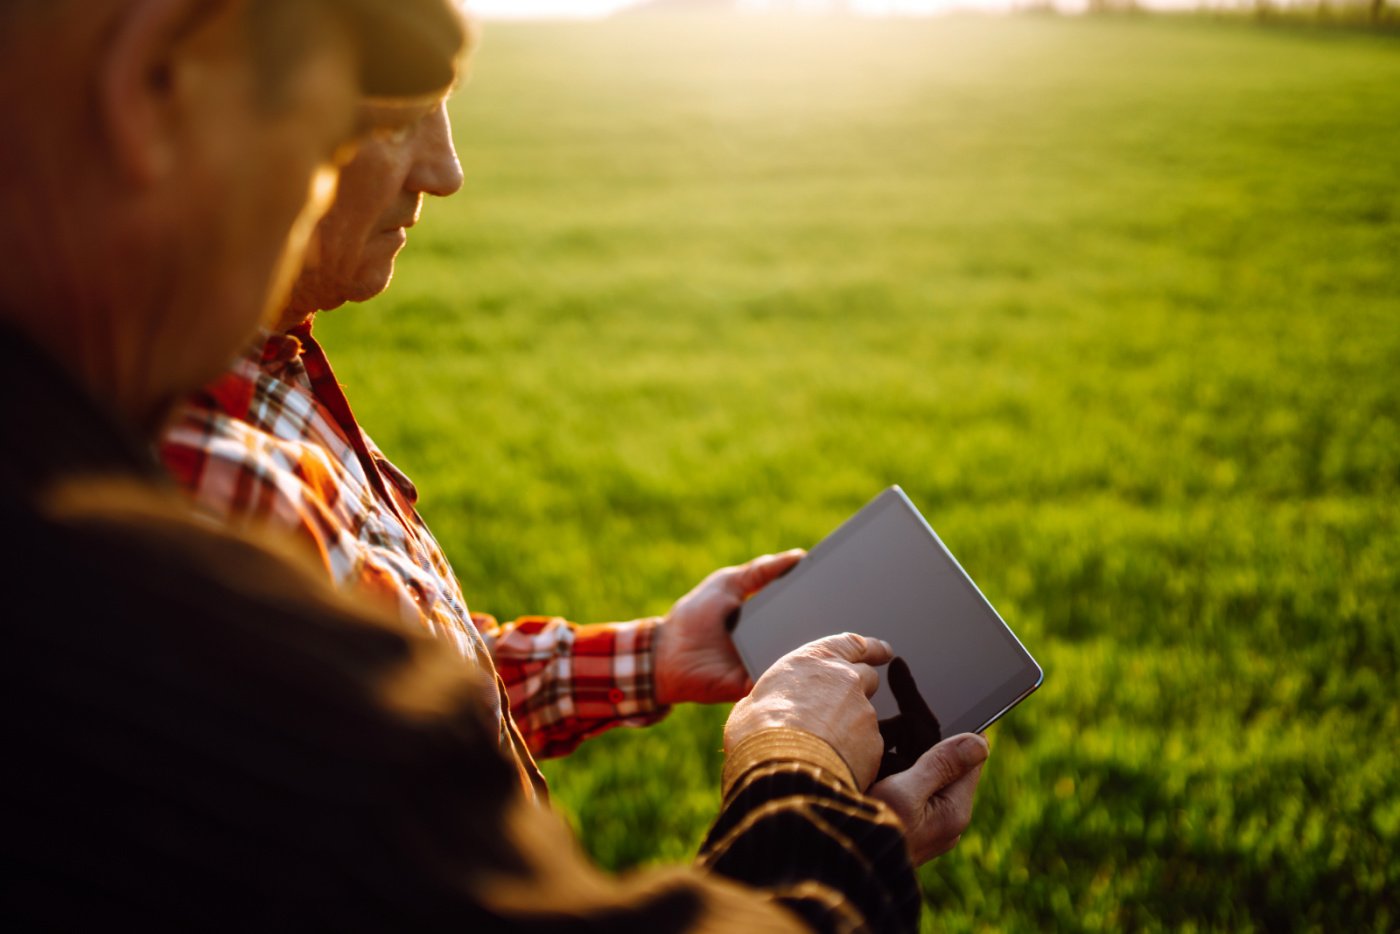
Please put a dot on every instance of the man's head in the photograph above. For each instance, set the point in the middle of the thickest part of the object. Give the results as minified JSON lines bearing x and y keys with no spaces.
{"x":407,"y":154}
{"x":158,"y":161}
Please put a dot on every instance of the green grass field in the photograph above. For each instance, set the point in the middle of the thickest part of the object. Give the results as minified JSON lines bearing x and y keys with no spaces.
{"x":1118,"y":304}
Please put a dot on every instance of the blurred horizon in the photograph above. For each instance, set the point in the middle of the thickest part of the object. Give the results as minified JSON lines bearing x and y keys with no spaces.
{"x":602,"y":9}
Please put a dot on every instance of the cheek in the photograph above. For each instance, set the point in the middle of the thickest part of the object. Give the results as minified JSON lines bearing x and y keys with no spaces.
{"x":370,"y":189}
{"x":340,"y":240}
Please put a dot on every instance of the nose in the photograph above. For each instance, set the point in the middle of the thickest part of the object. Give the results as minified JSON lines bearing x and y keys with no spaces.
{"x":435,"y":170}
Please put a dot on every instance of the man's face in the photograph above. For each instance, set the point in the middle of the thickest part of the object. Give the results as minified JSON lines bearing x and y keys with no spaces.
{"x":408,"y":154}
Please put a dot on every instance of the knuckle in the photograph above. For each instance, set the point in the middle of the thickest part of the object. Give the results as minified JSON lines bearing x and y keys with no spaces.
{"x":840,"y":646}
{"x":722,"y":576}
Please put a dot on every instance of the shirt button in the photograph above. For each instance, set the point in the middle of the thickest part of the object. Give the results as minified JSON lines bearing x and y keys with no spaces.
{"x":616,"y":696}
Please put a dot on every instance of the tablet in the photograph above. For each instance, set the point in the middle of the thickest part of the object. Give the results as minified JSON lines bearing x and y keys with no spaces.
{"x":885,"y":573}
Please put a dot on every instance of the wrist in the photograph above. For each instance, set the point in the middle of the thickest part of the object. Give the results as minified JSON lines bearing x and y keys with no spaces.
{"x":749,"y":719}
{"x":664,"y":688}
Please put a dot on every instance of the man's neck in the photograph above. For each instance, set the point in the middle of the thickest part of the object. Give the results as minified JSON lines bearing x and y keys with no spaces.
{"x":98,"y":355}
{"x":52,"y":426}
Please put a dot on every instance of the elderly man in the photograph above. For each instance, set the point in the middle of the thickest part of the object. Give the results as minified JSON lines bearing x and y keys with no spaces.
{"x":275,"y":443}
{"x":198,"y":735}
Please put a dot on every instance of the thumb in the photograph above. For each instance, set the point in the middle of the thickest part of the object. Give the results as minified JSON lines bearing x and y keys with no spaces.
{"x":947,"y":762}
{"x":750,"y":578}
{"x":853,"y":647}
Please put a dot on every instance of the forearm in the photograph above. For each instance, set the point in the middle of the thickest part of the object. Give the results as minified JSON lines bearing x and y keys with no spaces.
{"x":796,"y":847}
{"x":795,"y":825}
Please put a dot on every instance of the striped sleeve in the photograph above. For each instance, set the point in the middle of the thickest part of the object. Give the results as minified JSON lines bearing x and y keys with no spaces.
{"x":794,"y":825}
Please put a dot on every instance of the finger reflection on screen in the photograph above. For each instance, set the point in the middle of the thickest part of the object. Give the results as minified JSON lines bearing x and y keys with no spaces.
{"x":914,"y":730}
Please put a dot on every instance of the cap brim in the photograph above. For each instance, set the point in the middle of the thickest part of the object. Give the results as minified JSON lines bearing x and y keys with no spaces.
{"x":408,"y":48}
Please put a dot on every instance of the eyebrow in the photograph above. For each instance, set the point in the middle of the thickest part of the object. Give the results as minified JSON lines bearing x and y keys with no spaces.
{"x":378,"y":113}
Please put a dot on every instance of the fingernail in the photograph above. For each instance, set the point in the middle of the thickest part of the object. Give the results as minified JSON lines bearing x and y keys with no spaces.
{"x":974,"y":747}
{"x":888,"y":648}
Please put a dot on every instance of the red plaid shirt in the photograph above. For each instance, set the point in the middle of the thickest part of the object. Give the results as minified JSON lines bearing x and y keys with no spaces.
{"x":273,"y":442}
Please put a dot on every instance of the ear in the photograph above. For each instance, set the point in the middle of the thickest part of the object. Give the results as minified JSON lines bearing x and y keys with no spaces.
{"x":136,"y":96}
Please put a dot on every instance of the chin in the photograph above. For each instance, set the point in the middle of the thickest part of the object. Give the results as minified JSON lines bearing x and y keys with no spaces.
{"x":375,"y":271}
{"x":366,"y":287}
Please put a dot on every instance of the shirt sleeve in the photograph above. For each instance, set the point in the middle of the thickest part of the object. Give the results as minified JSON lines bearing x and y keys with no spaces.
{"x":568,"y":682}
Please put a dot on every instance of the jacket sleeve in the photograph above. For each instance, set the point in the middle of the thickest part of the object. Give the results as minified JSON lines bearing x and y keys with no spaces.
{"x":795,"y":826}
{"x":796,"y":848}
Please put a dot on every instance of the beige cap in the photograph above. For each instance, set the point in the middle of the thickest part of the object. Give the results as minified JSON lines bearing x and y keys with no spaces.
{"x":408,"y":47}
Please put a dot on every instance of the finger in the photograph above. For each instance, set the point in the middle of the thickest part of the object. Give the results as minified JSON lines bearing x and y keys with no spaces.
{"x":749,"y":579}
{"x":852,"y":647}
{"x":869,"y":679}
{"x":948,"y":762}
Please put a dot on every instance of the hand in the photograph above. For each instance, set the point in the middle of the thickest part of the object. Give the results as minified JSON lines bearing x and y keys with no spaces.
{"x":933,"y":799}
{"x":695,"y":658}
{"x":824,"y":688}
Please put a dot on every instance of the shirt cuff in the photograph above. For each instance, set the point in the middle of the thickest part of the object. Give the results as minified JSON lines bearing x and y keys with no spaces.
{"x":615,"y":670}
{"x":783,"y":744}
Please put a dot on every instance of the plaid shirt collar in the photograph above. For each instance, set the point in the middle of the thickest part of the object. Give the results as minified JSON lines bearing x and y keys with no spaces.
{"x":286,"y":356}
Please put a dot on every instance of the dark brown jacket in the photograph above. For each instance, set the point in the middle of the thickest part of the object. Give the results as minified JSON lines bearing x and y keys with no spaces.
{"x":198,"y":735}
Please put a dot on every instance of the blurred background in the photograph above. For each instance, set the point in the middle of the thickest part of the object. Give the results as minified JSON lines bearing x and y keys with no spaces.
{"x":1116,"y":299}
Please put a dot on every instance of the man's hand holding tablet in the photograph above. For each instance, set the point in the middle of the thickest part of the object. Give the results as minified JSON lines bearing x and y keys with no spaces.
{"x":886,"y":573}
{"x":824,"y":688}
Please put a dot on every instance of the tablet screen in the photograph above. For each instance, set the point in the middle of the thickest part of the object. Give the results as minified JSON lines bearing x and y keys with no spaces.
{"x":885,"y":573}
